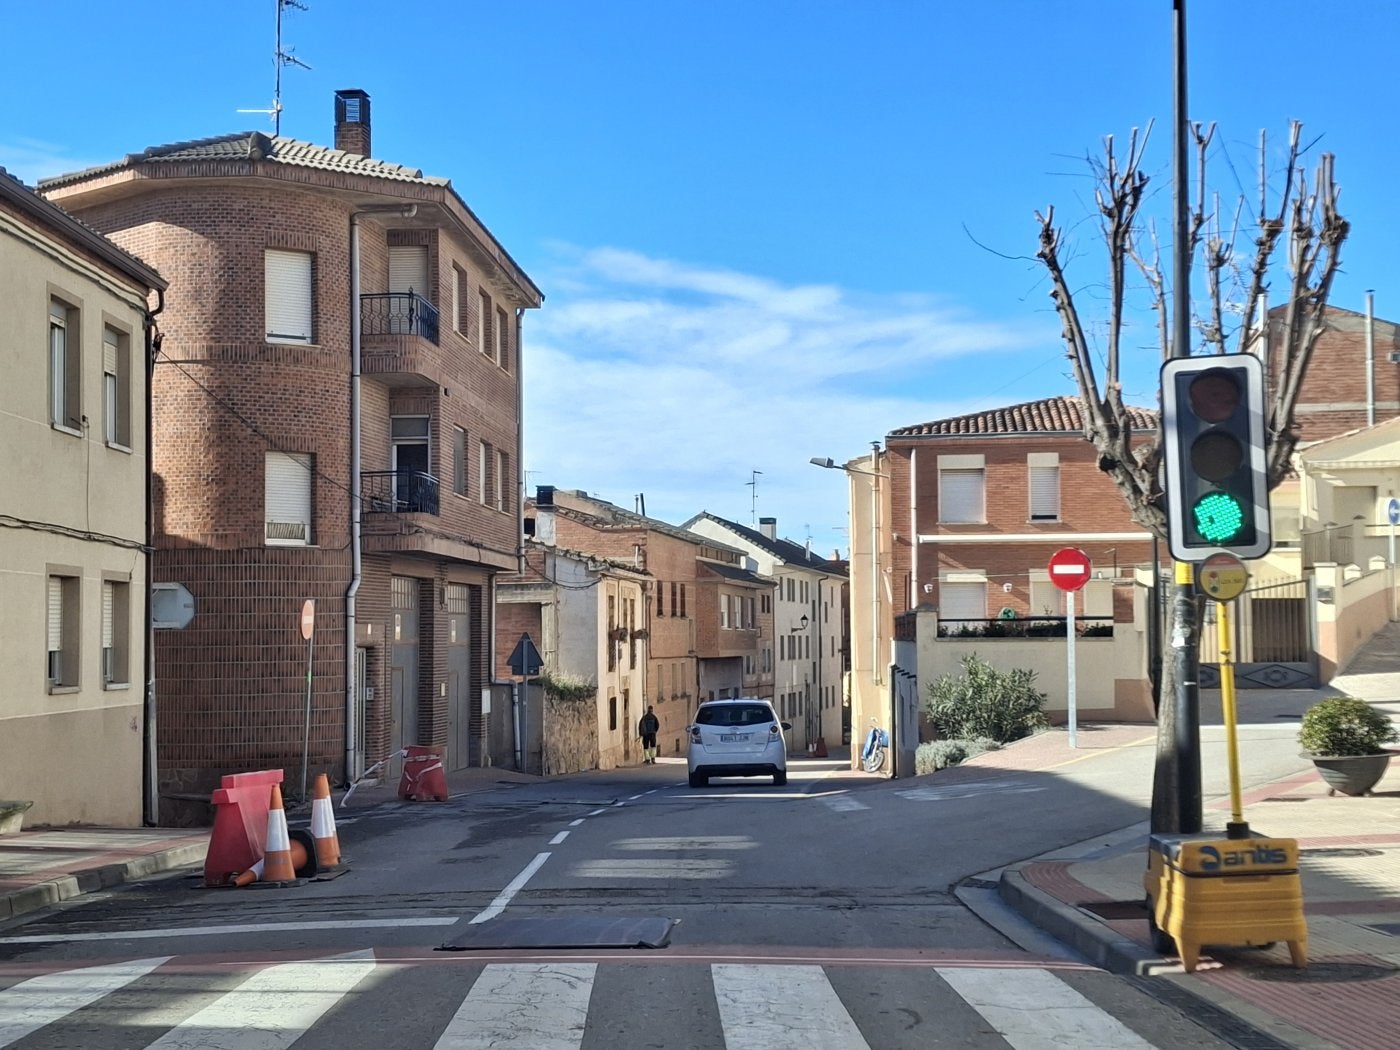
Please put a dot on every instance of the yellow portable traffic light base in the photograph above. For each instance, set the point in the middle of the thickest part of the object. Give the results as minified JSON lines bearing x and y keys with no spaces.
{"x":1232,"y":892}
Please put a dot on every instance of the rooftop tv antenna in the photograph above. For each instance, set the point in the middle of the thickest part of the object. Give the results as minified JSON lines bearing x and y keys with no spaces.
{"x":282,"y":56}
{"x":752,"y":483}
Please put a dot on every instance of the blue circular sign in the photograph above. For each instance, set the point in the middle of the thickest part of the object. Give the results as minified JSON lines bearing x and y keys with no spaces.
{"x":1392,"y":511}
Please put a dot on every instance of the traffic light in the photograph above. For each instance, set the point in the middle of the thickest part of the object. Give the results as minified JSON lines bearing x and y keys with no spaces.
{"x":1217,"y":485}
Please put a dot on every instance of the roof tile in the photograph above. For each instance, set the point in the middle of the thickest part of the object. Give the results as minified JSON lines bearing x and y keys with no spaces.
{"x":1051,"y":415}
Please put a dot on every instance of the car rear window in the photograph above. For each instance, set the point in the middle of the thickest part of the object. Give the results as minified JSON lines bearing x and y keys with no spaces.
{"x":734,"y":715}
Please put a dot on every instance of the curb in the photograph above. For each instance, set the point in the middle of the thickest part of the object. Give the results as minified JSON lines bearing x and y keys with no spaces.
{"x":1102,"y":947}
{"x":105,"y":876}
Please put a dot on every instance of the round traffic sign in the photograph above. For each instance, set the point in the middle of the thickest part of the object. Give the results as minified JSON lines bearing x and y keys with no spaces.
{"x":1222,"y":577}
{"x":1392,"y":511}
{"x":308,"y":618}
{"x":1070,"y":568}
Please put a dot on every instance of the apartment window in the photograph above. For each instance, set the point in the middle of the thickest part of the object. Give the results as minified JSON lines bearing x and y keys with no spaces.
{"x":502,"y":490}
{"x":65,"y":367}
{"x":488,"y":466}
{"x":63,"y":634}
{"x":116,"y":633}
{"x":660,"y":600}
{"x":287,"y":498}
{"x":502,"y":339}
{"x":1043,"y":473}
{"x":116,"y":387}
{"x":682,"y":599}
{"x":287,"y":296}
{"x":483,"y":323}
{"x":612,"y":713}
{"x":962,"y":600}
{"x":459,"y":461}
{"x":961,"y":489}
{"x":459,"y":299}
{"x":724,"y":611}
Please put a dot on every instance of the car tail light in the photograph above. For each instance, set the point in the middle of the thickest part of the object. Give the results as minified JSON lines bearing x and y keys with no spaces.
{"x":695,"y":733}
{"x":773,"y":729}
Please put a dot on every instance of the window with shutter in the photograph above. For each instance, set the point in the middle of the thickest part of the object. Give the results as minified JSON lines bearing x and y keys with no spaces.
{"x":408,"y":272}
{"x":483,"y":323}
{"x":459,"y":461}
{"x":116,"y":633}
{"x":288,"y":296}
{"x":116,"y":387}
{"x":1043,"y":482}
{"x":961,"y":496}
{"x":459,"y":299}
{"x":62,"y":656}
{"x":502,"y":333}
{"x":287,"y":498}
{"x":65,"y":367}
{"x":962,"y":601}
{"x":503,"y":481}
{"x":487,"y":466}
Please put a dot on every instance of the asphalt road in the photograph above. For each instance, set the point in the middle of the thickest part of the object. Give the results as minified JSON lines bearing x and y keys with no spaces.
{"x":816,"y":915}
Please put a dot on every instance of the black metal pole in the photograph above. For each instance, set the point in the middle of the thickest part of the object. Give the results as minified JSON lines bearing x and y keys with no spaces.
{"x":1185,"y":634}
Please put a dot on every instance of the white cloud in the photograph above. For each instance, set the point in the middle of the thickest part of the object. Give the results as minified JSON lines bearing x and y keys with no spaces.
{"x":647,"y":376}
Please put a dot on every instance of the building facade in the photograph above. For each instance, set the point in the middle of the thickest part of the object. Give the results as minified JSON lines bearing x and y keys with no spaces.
{"x":337,"y":412}
{"x":78,"y":325}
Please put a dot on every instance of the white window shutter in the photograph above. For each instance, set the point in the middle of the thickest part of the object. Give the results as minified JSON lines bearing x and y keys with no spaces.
{"x":962,"y":601}
{"x":108,"y":592}
{"x":408,"y":269}
{"x":960,"y":496}
{"x":287,"y":492}
{"x":1045,"y":493}
{"x":287,"y":296}
{"x":55,"y":614}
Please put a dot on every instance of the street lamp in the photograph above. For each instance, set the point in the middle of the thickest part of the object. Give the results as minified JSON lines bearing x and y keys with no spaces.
{"x":801,"y":626}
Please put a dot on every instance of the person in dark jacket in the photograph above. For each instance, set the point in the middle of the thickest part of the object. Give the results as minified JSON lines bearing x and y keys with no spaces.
{"x":647,"y":728}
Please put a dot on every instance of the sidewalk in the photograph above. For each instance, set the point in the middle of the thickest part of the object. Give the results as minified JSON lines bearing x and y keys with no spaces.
{"x":1349,"y":995}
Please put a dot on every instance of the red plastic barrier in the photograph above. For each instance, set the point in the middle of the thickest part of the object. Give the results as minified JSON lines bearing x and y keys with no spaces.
{"x":424,"y":779}
{"x":240,"y":824}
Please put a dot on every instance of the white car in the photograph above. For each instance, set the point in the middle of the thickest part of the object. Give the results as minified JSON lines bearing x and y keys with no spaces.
{"x":736,"y":738}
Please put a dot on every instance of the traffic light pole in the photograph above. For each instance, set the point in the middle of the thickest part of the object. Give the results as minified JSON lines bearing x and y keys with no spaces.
{"x":1176,"y":791}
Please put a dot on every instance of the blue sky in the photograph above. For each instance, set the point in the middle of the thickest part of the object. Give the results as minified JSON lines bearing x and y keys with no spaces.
{"x":766,"y":230}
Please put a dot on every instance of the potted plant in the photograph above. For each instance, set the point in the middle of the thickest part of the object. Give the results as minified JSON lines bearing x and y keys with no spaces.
{"x":1346,"y":737}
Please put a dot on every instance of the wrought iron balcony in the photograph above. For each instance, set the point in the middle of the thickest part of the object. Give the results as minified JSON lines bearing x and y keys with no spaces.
{"x":399,"y":492}
{"x":398,"y":313}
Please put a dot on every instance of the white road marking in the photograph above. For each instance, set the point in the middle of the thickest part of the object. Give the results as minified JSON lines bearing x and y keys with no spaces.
{"x":597,"y":811}
{"x":516,"y":884}
{"x":970,"y":790}
{"x":208,"y":931}
{"x":781,"y":1007}
{"x":843,"y":803}
{"x":31,"y":1004}
{"x":653,"y":868}
{"x":576,"y":823}
{"x":680,"y":843}
{"x":635,"y":797}
{"x":559,"y":838}
{"x":272,"y":1009}
{"x":1036,"y":1009}
{"x":530,"y":1006}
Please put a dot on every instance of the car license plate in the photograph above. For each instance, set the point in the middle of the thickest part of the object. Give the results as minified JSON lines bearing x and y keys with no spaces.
{"x":732,"y":738}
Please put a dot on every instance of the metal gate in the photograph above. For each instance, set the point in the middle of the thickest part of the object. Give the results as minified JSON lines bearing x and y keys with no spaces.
{"x":1272,"y":638}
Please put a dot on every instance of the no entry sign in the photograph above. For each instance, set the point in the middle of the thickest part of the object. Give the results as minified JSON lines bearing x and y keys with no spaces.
{"x":1070,"y":568}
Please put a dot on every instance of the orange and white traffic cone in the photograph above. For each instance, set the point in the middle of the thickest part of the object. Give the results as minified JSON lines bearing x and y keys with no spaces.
{"x":323,"y":827}
{"x":277,"y":856}
{"x":252,"y":875}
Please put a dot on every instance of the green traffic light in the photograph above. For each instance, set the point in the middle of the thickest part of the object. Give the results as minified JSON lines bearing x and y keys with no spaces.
{"x":1219,"y":517}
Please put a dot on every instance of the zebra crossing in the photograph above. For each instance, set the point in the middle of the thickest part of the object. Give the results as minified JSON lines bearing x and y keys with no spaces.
{"x":348,"y":1001}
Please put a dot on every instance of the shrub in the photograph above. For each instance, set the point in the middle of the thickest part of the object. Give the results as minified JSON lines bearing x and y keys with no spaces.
{"x":986,"y":702}
{"x":1345,"y":725}
{"x":940,"y":754}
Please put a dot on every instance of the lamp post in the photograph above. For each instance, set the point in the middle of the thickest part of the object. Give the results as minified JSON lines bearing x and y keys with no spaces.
{"x":876,"y":675}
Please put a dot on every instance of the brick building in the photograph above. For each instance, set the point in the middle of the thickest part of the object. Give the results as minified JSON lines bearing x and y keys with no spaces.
{"x":364,"y":457}
{"x":705,"y":611}
{"x":1353,"y":376}
{"x":980,"y":502}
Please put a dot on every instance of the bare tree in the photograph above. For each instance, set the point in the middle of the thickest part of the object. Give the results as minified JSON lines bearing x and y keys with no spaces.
{"x":1236,"y":260}
{"x":1310,"y":225}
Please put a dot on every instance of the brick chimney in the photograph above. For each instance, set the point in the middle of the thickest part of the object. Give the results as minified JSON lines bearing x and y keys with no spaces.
{"x":769,"y":528}
{"x":352,"y":121}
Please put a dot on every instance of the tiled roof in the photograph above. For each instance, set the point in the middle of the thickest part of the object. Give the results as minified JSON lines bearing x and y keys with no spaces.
{"x":254,"y":145}
{"x":1052,"y":415}
{"x":789,"y":552}
{"x":733,"y":572}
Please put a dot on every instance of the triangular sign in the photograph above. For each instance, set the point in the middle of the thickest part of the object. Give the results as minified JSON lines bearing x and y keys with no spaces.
{"x":525,"y":659}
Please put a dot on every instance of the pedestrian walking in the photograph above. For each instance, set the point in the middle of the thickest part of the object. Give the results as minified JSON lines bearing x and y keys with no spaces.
{"x":647,"y":729}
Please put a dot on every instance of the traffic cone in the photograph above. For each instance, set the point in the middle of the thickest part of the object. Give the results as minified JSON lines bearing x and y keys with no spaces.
{"x":323,"y":828}
{"x":301,"y":863}
{"x":252,"y":875}
{"x":277,"y":856}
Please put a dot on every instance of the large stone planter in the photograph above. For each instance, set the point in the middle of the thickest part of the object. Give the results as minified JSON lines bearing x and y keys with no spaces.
{"x":1351,"y":774}
{"x":12,"y":815}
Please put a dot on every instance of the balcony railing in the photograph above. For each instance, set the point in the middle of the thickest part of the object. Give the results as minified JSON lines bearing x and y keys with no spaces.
{"x":398,"y":313}
{"x":399,"y":492}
